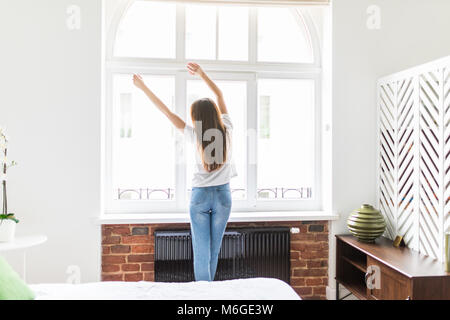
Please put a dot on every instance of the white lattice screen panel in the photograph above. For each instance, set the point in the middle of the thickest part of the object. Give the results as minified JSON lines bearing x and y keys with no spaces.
{"x":447,"y":148}
{"x":414,"y":155}
{"x":405,"y":158}
{"x":387,"y":163}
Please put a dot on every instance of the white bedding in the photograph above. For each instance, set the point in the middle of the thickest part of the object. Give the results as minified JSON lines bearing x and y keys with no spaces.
{"x":240,"y":289}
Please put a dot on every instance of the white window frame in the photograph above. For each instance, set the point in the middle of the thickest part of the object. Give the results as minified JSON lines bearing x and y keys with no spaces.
{"x":250,"y":71}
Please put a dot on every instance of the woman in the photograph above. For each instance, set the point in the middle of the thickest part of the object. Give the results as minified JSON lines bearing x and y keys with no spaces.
{"x":210,"y":203}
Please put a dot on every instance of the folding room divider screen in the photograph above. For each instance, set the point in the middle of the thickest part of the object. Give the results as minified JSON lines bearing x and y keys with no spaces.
{"x":414,"y":155}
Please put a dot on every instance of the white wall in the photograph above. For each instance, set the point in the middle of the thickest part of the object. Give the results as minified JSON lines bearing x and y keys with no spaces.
{"x":50,"y":100}
{"x":412,"y":32}
{"x":50,"y":97}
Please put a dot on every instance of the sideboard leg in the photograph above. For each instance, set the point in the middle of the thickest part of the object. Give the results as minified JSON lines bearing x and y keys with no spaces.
{"x":337,"y":290}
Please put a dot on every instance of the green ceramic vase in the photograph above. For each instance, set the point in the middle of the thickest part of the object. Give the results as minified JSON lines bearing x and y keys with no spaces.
{"x":366,"y":223}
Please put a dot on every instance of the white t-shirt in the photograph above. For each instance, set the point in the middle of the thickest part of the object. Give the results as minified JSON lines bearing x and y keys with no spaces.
{"x":203,"y":178}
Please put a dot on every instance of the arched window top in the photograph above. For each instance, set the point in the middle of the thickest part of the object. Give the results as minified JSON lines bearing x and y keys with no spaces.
{"x":147,"y":30}
{"x":173,"y":31}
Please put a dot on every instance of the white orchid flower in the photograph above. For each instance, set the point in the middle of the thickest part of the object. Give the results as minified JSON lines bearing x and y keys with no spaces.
{"x":12,"y":164}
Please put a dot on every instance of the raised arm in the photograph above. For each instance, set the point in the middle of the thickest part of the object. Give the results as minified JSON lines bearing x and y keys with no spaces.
{"x":193,"y":69}
{"x":176,"y":120}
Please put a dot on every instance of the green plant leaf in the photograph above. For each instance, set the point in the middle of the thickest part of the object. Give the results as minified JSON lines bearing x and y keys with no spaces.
{"x":9,"y":216}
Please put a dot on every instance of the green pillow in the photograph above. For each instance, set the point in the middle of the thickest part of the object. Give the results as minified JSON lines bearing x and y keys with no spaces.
{"x":12,"y":287}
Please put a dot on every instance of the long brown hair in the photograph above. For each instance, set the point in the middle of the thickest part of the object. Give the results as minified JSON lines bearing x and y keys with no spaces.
{"x":206,"y":112}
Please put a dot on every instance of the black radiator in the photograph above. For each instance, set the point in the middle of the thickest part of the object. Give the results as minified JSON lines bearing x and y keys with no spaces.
{"x":245,"y":253}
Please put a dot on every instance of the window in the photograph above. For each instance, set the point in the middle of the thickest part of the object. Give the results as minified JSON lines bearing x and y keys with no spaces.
{"x":236,"y":99}
{"x":264,"y":117}
{"x":264,"y":60}
{"x":287,"y":141}
{"x":147,"y":30}
{"x":292,"y":46}
{"x":136,"y":173}
{"x":126,"y":116}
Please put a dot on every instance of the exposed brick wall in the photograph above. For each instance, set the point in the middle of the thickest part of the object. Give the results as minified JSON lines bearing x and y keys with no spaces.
{"x":128,"y":253}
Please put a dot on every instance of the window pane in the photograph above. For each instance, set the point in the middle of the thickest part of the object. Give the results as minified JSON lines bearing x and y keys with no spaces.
{"x":285,"y":139}
{"x":235,"y":93}
{"x":233,"y":33}
{"x":201,"y":32}
{"x":282,"y":36}
{"x":147,"y":31}
{"x":143,"y":141}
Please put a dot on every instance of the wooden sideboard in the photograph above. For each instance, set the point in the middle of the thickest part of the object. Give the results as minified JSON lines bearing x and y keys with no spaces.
{"x":404,"y":273}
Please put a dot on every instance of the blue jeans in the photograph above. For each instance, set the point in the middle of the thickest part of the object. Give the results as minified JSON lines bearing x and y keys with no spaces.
{"x":210,"y":209}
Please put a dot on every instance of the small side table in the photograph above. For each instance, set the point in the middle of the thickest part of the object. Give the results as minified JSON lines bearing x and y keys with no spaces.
{"x":23,"y":243}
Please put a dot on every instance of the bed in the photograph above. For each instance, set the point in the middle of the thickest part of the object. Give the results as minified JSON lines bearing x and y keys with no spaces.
{"x":240,"y":289}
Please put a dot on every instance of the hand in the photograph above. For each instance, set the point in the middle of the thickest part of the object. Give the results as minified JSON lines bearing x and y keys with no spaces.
{"x":194,"y":69}
{"x":138,"y":81}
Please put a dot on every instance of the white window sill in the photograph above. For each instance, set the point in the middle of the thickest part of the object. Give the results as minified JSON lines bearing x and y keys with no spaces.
{"x":115,"y":218}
